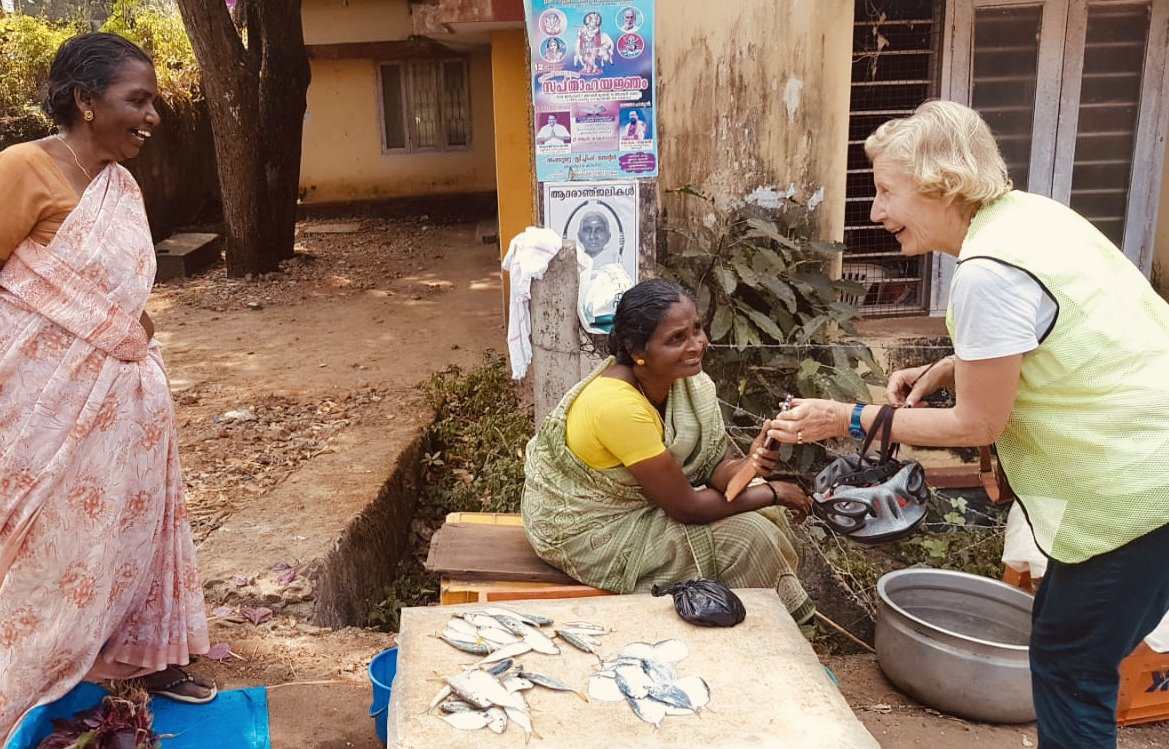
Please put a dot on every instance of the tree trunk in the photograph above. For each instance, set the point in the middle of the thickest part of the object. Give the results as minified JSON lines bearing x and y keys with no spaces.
{"x":257,"y":99}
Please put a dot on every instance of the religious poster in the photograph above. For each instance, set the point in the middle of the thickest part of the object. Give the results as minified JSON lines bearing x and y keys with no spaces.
{"x":593,"y":88}
{"x":602,"y":219}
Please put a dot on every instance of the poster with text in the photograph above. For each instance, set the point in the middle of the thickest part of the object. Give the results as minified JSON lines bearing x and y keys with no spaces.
{"x":602,"y":219}
{"x":593,"y":89}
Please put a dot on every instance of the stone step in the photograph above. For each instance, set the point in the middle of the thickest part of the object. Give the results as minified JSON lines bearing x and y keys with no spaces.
{"x":183,"y":255}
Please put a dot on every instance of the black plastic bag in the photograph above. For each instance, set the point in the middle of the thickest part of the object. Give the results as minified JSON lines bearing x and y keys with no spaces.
{"x":707,"y":603}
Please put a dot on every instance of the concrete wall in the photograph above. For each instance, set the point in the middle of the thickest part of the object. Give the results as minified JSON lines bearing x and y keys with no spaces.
{"x":752,"y":98}
{"x":342,"y":147}
{"x":340,"y":21}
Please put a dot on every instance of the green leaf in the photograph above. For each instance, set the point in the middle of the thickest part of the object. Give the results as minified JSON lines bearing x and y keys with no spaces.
{"x":819,"y":246}
{"x":782,"y":292}
{"x":818,"y":282}
{"x":768,"y":230}
{"x":746,"y":273}
{"x":742,"y":332}
{"x":721,"y":325}
{"x":703,"y":301}
{"x":808,"y":368}
{"x":767,"y":261}
{"x":850,"y":382}
{"x":812,"y":327}
{"x":726,"y":279}
{"x":765,"y":323}
{"x":694,"y":252}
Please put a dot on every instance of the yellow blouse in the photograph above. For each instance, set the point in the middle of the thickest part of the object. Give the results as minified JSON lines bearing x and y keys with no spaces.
{"x":35,"y":197}
{"x":612,"y":424}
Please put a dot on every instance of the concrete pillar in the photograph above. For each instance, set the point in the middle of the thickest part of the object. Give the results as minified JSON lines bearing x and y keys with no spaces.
{"x":555,"y":344}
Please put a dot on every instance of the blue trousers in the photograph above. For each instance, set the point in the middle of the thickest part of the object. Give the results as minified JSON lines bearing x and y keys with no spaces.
{"x":1087,"y":618}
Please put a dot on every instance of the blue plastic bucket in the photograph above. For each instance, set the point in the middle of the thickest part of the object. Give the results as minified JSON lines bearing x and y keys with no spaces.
{"x":382,"y":669}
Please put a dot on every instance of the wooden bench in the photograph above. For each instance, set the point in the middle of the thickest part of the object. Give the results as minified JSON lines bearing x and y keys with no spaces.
{"x":483,"y":556}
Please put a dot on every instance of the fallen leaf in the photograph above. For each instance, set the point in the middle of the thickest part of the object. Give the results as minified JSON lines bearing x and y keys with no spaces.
{"x":219,"y":652}
{"x":286,"y":577}
{"x":257,"y":615}
{"x":223,"y":612}
{"x":880,"y":708}
{"x":240,"y":581}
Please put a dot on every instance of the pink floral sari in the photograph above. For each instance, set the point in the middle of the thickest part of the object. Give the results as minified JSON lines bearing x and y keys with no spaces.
{"x":97,"y":565}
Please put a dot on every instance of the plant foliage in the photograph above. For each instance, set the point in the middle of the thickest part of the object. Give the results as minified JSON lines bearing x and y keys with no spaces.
{"x":774,"y":313}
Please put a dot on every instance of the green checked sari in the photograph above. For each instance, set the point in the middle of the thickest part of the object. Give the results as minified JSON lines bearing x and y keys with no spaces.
{"x":599,"y":528}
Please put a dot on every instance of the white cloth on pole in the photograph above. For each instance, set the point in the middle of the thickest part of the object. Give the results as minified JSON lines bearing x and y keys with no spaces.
{"x":1022,"y":554}
{"x":527,"y":258}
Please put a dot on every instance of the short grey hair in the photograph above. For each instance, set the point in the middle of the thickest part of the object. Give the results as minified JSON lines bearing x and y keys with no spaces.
{"x":948,"y":151}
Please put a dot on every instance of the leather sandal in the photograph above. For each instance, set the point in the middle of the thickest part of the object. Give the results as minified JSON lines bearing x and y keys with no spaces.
{"x":170,"y":688}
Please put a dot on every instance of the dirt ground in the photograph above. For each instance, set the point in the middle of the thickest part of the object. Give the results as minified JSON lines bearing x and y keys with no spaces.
{"x":270,"y":374}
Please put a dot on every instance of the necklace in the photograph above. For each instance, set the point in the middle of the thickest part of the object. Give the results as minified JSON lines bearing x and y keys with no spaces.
{"x":640,"y":389}
{"x":76,"y":160}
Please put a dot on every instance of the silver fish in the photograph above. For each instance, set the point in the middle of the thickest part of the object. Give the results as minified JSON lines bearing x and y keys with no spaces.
{"x":482,"y":690}
{"x":483,"y":621}
{"x":499,"y":668}
{"x":637,"y":650}
{"x":696,"y":689}
{"x":539,"y":641}
{"x":512,"y":624}
{"x":669,"y":651}
{"x":521,"y":719}
{"x":533,"y":619}
{"x":604,"y":689}
{"x":498,"y":722}
{"x":498,"y":637}
{"x":547,"y":682}
{"x":580,"y":642}
{"x":439,"y":697}
{"x":455,"y":705}
{"x":506,"y":652}
{"x":471,"y":720}
{"x":661,"y":673}
{"x":467,"y":646}
{"x":671,"y":695}
{"x":517,"y":684}
{"x":651,"y":711}
{"x":633,"y":681}
{"x":463,"y":626}
{"x":594,"y":629}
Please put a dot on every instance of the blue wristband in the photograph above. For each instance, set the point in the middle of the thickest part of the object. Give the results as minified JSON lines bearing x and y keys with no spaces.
{"x":855,"y":430}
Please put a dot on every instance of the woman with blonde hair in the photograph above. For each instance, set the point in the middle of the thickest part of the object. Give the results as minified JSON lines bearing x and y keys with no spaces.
{"x":1062,"y":350}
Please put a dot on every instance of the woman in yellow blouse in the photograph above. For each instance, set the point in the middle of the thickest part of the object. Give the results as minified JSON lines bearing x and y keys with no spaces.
{"x":625,"y":478}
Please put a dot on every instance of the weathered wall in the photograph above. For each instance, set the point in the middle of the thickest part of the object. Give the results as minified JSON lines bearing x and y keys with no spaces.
{"x":753,"y":96}
{"x":340,"y":21}
{"x":343,"y":158}
{"x":1161,"y":239}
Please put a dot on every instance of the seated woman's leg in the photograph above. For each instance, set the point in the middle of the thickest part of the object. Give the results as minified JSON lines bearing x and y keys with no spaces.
{"x":755,"y":550}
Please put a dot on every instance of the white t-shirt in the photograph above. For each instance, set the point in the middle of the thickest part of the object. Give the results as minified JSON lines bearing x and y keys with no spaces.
{"x":999,"y":310}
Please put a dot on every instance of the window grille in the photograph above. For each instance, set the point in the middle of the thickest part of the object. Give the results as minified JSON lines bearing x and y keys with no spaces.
{"x":894,"y":69}
{"x":426,"y":105}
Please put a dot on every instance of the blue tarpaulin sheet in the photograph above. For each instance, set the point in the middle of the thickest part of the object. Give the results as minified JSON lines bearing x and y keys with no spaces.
{"x":237,"y":719}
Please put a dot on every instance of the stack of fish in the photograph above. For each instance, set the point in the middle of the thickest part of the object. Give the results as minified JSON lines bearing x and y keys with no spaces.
{"x":491,"y":696}
{"x":644,"y":677}
{"x":499,"y":633}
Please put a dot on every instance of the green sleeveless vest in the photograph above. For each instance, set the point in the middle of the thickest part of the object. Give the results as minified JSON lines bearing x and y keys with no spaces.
{"x":1087,"y":446}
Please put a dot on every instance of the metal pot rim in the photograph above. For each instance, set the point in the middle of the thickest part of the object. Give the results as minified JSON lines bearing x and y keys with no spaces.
{"x":883,"y":596}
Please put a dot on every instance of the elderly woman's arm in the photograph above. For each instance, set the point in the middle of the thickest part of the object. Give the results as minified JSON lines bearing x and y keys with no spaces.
{"x":984,"y":397}
{"x":665,"y":484}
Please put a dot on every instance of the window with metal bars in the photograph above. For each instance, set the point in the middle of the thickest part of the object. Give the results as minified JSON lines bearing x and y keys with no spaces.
{"x":426,"y":105}
{"x":894,"y":69}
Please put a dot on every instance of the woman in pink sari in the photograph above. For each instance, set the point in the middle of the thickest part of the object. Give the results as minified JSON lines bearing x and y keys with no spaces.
{"x":97,"y":566}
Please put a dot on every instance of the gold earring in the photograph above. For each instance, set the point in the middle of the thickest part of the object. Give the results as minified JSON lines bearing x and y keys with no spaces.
{"x":641,"y":362}
{"x":88,"y":116}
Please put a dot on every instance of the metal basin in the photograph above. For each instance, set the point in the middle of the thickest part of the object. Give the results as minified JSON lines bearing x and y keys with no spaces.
{"x":957,"y":643}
